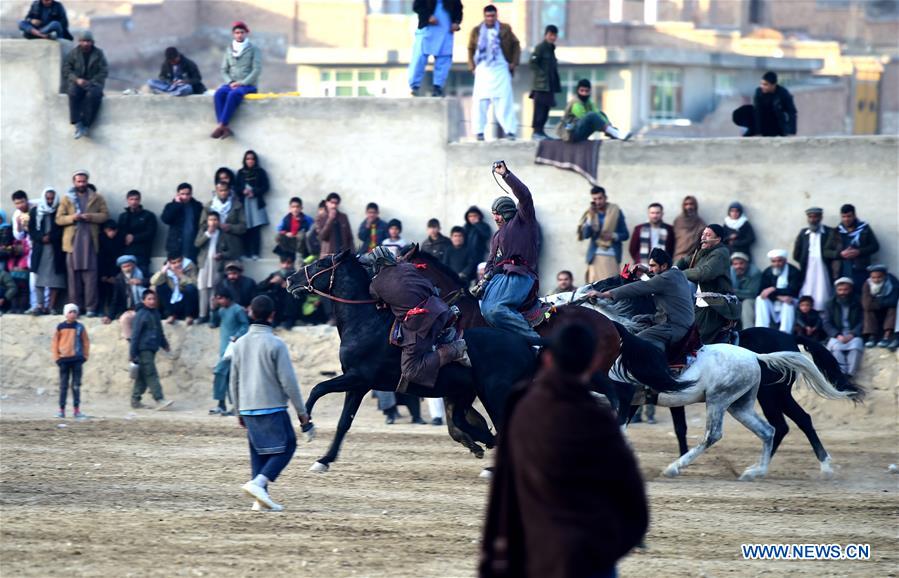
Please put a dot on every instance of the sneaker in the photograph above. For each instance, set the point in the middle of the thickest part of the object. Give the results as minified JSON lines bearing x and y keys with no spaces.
{"x":163,"y":404}
{"x":78,"y":414}
{"x":437,"y":421}
{"x":480,"y":136}
{"x":92,"y":314}
{"x":34,"y":311}
{"x":893,"y":345}
{"x":260,"y":507}
{"x":413,"y":91}
{"x":79,"y":130}
{"x":216,"y":411}
{"x":61,"y":413}
{"x":651,"y":421}
{"x":539,"y":136}
{"x":258,"y":492}
{"x":418,"y":420}
{"x":227,"y":413}
{"x":870,"y":343}
{"x":883,"y":343}
{"x":437,"y":91}
{"x":139,"y":405}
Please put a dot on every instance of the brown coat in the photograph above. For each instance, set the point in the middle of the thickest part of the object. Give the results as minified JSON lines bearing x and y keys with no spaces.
{"x":507,"y":40}
{"x":97,"y":213}
{"x":404,"y":288}
{"x":325,"y":230}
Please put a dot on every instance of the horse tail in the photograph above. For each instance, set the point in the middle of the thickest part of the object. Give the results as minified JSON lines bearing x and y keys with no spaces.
{"x":792,"y":362}
{"x":828,"y":365}
{"x":644,"y":362}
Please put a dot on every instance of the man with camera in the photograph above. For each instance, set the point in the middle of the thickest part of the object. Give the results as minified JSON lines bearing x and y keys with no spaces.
{"x":510,"y":281}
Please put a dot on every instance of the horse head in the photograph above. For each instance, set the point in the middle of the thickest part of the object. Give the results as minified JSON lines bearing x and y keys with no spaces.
{"x":319,"y":276}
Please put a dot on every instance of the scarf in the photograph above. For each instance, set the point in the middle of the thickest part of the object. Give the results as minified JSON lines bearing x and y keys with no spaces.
{"x":44,"y":209}
{"x":177,"y":296}
{"x":609,"y":224}
{"x":136,"y":291}
{"x":735,"y":224}
{"x":237,"y":48}
{"x":646,"y":244}
{"x":222,"y":208}
{"x":854,"y":235}
{"x":878,"y":289}
{"x":488,"y":45}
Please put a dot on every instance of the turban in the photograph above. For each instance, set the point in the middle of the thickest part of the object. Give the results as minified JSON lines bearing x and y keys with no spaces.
{"x":81,"y":172}
{"x":842,"y":280}
{"x":739,"y":255}
{"x":777,"y":254}
{"x":69,"y":307}
{"x":125,"y":259}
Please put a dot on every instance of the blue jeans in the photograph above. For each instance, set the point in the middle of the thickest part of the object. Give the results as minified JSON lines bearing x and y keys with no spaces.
{"x":272,"y":443}
{"x":590,"y":123}
{"x":26,"y":27}
{"x":69,"y":369}
{"x":227,"y":99}
{"x":505,"y":293}
{"x":171,"y":89}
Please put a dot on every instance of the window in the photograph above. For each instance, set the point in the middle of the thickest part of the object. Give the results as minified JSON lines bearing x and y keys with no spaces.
{"x":665,"y":94}
{"x":390,"y":6}
{"x":553,"y":12}
{"x":354,"y":82}
{"x":725,"y":85}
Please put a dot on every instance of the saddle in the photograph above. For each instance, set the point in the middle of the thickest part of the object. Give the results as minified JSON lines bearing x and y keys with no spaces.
{"x":537,"y":313}
{"x":688,"y":345}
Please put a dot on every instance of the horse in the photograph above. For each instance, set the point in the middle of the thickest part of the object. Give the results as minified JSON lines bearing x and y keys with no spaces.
{"x":775,"y":393}
{"x":370,"y":362}
{"x":727,"y":378}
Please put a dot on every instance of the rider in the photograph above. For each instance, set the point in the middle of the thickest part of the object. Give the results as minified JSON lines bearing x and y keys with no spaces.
{"x":421,"y":316}
{"x":671,"y":293}
{"x":709,"y":268}
{"x":510,"y":279}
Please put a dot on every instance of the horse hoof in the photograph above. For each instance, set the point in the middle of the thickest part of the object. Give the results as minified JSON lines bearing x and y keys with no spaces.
{"x":827,"y":469}
{"x":751,"y":474}
{"x":478,"y":453}
{"x":671,"y":471}
{"x":319,"y":468}
{"x":486,"y":474}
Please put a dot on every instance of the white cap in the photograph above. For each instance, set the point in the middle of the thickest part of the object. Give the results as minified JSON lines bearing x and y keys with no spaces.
{"x":69,"y":307}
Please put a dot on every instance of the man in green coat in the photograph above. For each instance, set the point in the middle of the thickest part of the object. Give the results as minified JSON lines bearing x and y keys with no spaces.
{"x":84,"y":70}
{"x":546,"y":80}
{"x":709,"y":268}
{"x":582,"y":118}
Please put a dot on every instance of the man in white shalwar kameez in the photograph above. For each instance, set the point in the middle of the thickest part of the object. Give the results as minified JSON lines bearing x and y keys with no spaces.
{"x":807,"y":252}
{"x":492,"y":74}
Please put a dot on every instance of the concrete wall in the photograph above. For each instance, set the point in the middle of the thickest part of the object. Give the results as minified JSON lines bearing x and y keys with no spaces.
{"x":395,"y":152}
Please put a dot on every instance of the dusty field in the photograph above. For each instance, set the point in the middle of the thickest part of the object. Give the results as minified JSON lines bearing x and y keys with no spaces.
{"x":158,"y":494}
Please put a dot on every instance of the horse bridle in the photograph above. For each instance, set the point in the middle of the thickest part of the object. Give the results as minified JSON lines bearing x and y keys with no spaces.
{"x":330,"y":270}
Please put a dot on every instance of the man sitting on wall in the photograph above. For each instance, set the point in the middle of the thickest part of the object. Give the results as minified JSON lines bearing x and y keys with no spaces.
{"x":179,"y":76}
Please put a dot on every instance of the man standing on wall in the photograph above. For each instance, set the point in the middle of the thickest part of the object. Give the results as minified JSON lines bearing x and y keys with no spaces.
{"x":775,"y":113}
{"x":493,"y":54}
{"x":546,"y":80}
{"x":84,"y":70}
{"x":438,"y":20}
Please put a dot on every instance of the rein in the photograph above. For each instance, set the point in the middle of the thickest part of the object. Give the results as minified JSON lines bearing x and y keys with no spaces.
{"x":309,"y":287}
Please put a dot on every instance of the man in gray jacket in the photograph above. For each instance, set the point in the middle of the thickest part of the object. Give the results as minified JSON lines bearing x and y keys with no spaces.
{"x":262,"y":382}
{"x":673,"y":299}
{"x":84,"y":71}
{"x":241,"y":67}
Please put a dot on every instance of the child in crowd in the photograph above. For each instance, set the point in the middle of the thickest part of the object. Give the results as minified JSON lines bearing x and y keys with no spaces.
{"x":393,"y":241}
{"x":232,"y":321}
{"x":292,"y":231}
{"x":70,"y":348}
{"x":147,"y":338}
{"x":808,"y":321}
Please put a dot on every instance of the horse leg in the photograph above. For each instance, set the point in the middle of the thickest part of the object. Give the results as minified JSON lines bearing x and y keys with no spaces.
{"x":743,"y":411}
{"x":770,"y":399}
{"x":803,"y":420}
{"x":351,"y":403}
{"x":341,"y":383}
{"x":679,"y":419}
{"x":714,"y":422}
{"x":452,"y":414}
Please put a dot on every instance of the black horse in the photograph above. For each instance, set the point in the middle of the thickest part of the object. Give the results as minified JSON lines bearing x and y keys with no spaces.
{"x":499,"y":359}
{"x":775,"y":393}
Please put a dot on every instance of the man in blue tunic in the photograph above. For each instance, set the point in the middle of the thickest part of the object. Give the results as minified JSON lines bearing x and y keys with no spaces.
{"x":437,"y":21}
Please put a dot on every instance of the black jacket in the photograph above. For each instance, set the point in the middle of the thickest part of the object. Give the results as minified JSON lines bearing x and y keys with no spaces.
{"x":833,"y":317}
{"x":190,"y":74}
{"x":110,"y":251}
{"x":57,"y":14}
{"x":459,"y":259}
{"x":801,"y":248}
{"x":36,"y":233}
{"x":784,"y":111}
{"x":545,"y":68}
{"x":794,"y":282}
{"x":425,"y":9}
{"x":243,"y":290}
{"x":173,"y":216}
{"x":147,"y":333}
{"x":743,"y":242}
{"x":142,"y":224}
{"x":96,"y":70}
{"x":260,"y":185}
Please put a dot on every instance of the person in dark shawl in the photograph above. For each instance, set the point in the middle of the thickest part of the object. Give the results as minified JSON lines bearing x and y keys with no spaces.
{"x":567,"y":498}
{"x":251,"y":186}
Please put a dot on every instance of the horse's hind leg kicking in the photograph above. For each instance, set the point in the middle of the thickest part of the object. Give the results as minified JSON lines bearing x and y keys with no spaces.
{"x":351,"y":404}
{"x":714,"y":423}
{"x":743,"y":411}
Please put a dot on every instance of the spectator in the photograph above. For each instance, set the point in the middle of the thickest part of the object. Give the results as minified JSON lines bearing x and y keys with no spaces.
{"x":80,"y":214}
{"x":182,"y":215}
{"x":251,"y":187}
{"x":333,"y":228}
{"x":47,"y":259}
{"x":564,"y":282}
{"x":493,"y":54}
{"x":808,"y":321}
{"x":746,"y":280}
{"x":778,"y":292}
{"x":262,"y":382}
{"x":738,"y":232}
{"x":241,"y":67}
{"x":287,"y":308}
{"x":232,"y":218}
{"x":688,"y":227}
{"x":808,"y":251}
{"x":176,"y":284}
{"x":128,"y":292}
{"x":214,"y":251}
{"x":46,"y":19}
{"x":232,"y":321}
{"x":19,"y":263}
{"x":850,"y":247}
{"x":880,"y":295}
{"x":546,"y":82}
{"x":393,"y":241}
{"x":477,"y":233}
{"x":224,"y":175}
{"x":146,"y":339}
{"x":70,"y":348}
{"x":843,"y":319}
{"x":773,"y":108}
{"x":138,"y":229}
{"x":436,"y":244}
{"x":112,"y":246}
{"x":438,"y":20}
{"x":650,"y":235}
{"x":85,"y":70}
{"x":242,"y":288}
{"x":8,"y":289}
{"x":372,"y":231}
{"x":178,"y":76}
{"x":545,"y":519}
{"x":293,"y":230}
{"x":458,"y":257}
{"x":582,"y":118}
{"x":604,"y":227}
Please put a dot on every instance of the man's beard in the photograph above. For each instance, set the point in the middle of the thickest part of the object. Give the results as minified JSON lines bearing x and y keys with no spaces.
{"x":777,"y":271}
{"x":875,"y":287}
{"x":81,"y":190}
{"x":584,"y":98}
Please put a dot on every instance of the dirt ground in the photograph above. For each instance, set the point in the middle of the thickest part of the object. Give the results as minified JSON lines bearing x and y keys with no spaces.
{"x":158,"y":493}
